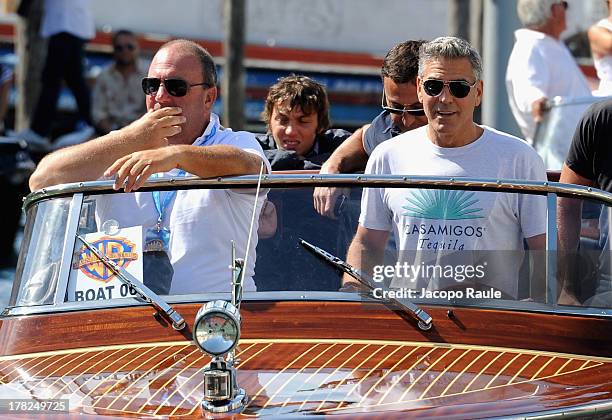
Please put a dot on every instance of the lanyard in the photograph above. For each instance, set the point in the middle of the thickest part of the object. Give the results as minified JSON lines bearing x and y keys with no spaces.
{"x":161,"y":207}
{"x":169,"y":196}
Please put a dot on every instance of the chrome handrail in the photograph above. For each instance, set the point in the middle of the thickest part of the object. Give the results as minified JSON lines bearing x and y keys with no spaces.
{"x":288,"y":180}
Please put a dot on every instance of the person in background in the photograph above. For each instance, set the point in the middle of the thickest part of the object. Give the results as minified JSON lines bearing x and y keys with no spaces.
{"x":297,"y":116}
{"x":401,"y":112}
{"x":13,"y":186}
{"x":600,"y":41}
{"x":68,"y":24}
{"x":540,"y":66}
{"x":296,"y":113}
{"x":6,"y":81}
{"x":117,"y":97}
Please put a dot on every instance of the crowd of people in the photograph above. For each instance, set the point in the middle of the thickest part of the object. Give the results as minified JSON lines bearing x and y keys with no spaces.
{"x":426,"y":127}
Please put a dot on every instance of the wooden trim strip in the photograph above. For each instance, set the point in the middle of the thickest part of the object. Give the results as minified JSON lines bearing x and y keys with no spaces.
{"x":563,"y":367}
{"x":416,"y":381}
{"x":401,"y":404}
{"x":408,"y":370}
{"x":502,"y":369}
{"x":321,"y":341}
{"x":197,"y":371}
{"x":459,"y":374}
{"x":313,"y":374}
{"x":387,"y":373}
{"x":160,"y":372}
{"x":352,"y":373}
{"x":263,"y":387}
{"x":202,"y":383}
{"x":481,"y":372}
{"x":522,"y":369}
{"x":441,"y":374}
{"x":18,"y":365}
{"x":296,"y":374}
{"x":172,"y":378}
{"x":542,"y":368}
{"x":345,"y":363}
{"x":372,"y":370}
{"x":96,"y":348}
{"x":55,"y":371}
{"x":8,"y":365}
{"x":342,"y":365}
{"x":134,"y":370}
{"x":290,"y":379}
{"x":92,"y":374}
{"x":111,"y":374}
{"x":75,"y":367}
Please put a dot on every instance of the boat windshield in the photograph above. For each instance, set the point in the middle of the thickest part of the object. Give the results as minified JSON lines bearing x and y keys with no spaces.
{"x":441,"y":243}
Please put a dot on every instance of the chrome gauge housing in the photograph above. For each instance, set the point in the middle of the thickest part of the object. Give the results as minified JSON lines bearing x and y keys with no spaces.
{"x":216,"y":329}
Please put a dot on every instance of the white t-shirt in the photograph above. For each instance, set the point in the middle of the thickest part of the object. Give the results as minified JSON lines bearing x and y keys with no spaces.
{"x":72,"y":16}
{"x":202,"y":223}
{"x":446,"y":224}
{"x":540,"y":66}
{"x":603,"y":65}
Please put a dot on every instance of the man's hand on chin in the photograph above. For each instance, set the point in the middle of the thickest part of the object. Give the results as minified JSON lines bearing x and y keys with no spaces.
{"x":152,"y":130}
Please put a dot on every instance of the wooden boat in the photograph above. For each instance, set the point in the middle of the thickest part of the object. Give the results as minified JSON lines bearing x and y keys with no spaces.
{"x":305,"y":348}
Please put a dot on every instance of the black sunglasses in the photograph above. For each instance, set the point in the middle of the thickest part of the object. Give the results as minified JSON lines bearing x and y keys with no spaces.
{"x":121,"y":47}
{"x":175,"y":87}
{"x":418,"y":112}
{"x":458,"y":88}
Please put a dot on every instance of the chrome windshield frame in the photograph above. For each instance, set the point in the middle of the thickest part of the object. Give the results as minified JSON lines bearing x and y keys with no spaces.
{"x":69,"y":238}
{"x":286,"y":180}
{"x":314,"y":180}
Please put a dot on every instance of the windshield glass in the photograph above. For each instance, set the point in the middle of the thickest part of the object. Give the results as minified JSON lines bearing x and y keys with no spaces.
{"x":428,"y":245}
{"x":43,"y":247}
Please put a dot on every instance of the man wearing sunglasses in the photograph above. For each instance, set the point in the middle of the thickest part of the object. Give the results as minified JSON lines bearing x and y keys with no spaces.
{"x":401,"y":112}
{"x":179,"y":135}
{"x":540,"y":66}
{"x":450,"y":87}
{"x":117,"y":95}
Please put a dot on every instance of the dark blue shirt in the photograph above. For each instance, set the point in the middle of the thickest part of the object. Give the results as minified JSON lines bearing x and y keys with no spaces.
{"x":380,"y":130}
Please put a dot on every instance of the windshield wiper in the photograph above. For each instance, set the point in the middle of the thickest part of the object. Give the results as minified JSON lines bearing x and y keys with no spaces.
{"x":423,"y":319}
{"x":146,"y":294}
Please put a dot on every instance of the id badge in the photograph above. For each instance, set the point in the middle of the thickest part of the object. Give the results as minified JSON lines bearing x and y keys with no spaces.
{"x":157,"y":240}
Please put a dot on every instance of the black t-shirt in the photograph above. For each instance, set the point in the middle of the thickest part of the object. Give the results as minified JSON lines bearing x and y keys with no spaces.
{"x":590,"y":154}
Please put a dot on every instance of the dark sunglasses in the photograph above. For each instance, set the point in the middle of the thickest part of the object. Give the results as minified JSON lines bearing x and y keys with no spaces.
{"x":120,"y":47}
{"x":458,"y":88}
{"x":418,"y":112}
{"x":175,"y":87}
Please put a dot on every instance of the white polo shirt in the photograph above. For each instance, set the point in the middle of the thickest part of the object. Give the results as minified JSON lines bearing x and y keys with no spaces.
{"x":202,"y":223}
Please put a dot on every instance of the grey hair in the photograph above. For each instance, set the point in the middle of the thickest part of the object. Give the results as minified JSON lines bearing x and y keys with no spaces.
{"x":449,"y":47}
{"x":534,"y":13}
